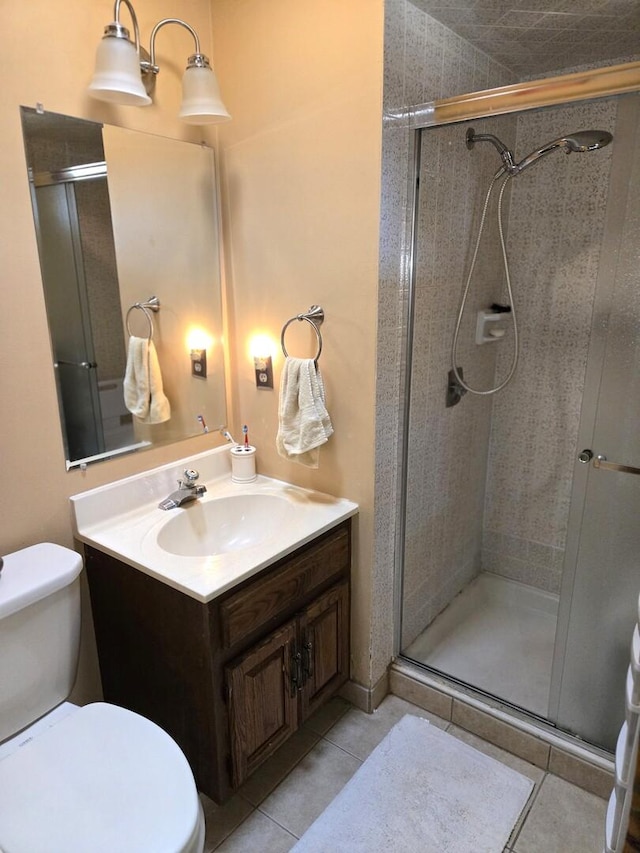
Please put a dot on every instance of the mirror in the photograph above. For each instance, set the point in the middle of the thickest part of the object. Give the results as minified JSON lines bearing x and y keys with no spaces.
{"x":128,"y":237}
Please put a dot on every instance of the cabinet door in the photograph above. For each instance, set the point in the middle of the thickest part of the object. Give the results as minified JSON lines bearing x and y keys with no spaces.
{"x":324,"y":628}
{"x":263,"y":700}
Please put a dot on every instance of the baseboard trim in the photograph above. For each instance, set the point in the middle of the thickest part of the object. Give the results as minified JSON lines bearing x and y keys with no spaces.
{"x":366,"y":698}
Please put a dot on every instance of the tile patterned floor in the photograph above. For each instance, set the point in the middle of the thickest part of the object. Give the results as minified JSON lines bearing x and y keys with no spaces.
{"x":283,"y":798}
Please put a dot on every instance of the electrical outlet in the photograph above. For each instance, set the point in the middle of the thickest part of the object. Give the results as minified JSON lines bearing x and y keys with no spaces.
{"x":264,"y":372}
{"x":199,"y":363}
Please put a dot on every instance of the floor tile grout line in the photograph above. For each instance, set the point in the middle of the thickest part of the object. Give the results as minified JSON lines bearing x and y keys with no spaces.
{"x":229,"y":834}
{"x":286,"y":775}
{"x":256,"y":806}
{"x":277,"y":823}
{"x":254,"y":809}
{"x":526,"y":811}
{"x":528,"y":808}
{"x":345,"y":750}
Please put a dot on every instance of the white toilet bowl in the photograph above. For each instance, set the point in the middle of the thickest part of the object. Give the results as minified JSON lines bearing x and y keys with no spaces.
{"x":101,"y":779}
{"x":97,"y":779}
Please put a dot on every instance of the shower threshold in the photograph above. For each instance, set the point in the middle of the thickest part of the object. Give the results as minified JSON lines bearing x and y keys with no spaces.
{"x":498,"y":636}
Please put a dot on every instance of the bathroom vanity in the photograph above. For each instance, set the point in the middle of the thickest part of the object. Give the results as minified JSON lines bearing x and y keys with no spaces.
{"x":230,"y":680}
{"x":229,"y":667}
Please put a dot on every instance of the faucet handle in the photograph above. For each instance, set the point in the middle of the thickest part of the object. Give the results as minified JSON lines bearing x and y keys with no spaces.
{"x":190,"y":476}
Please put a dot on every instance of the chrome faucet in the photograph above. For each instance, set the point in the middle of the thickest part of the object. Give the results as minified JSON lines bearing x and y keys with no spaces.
{"x":187,"y":491}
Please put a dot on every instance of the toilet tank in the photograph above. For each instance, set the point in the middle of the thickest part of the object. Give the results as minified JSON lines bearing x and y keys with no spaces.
{"x":39,"y":632}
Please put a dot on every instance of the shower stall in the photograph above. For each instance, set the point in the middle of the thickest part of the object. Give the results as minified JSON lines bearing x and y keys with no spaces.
{"x":520,"y":532}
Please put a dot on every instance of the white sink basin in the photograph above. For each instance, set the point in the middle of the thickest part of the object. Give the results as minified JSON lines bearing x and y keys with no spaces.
{"x":224,"y":524}
{"x":207,"y":546}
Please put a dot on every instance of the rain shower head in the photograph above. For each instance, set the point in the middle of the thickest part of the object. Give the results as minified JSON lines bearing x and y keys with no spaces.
{"x":583,"y":140}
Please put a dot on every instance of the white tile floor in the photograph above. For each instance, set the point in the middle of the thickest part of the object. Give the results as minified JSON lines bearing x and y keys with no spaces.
{"x":283,"y":798}
{"x":497,"y":635}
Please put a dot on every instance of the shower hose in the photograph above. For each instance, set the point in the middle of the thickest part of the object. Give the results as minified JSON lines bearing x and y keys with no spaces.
{"x":465,"y":294}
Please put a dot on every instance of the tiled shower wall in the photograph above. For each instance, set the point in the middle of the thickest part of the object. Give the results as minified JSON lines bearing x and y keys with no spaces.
{"x":448,"y":446}
{"x":528,"y":480}
{"x":423,"y":60}
{"x":554,"y":223}
{"x":555,"y":235}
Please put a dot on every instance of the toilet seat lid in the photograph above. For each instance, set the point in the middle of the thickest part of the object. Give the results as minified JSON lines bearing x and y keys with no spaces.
{"x":102,"y":779}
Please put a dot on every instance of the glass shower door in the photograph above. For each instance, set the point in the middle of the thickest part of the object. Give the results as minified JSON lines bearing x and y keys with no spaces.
{"x":60,"y":247}
{"x":601,"y":581}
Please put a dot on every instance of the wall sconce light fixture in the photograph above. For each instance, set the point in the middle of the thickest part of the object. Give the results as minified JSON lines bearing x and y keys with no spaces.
{"x":125,"y":73}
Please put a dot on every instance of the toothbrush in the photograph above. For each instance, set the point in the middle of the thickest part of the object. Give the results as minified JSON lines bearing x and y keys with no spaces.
{"x":245,"y":432}
{"x":224,"y":432}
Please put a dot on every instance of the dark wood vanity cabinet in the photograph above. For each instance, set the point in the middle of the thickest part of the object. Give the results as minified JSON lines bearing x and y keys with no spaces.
{"x":230,"y":680}
{"x":277,"y":684}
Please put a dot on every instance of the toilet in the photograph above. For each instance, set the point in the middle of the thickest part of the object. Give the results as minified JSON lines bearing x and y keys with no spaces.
{"x":73,"y":779}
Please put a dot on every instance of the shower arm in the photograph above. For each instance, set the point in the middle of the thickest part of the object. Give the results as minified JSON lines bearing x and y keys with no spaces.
{"x":509,"y":164}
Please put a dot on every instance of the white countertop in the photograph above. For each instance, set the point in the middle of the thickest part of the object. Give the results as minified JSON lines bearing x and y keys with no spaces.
{"x":123,"y":519}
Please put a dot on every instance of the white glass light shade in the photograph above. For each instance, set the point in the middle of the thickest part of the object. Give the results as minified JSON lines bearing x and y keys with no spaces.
{"x":117,"y":76}
{"x":201,"y":101}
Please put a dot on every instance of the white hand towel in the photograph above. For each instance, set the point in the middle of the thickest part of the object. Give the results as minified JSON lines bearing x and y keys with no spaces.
{"x":143,"y":392}
{"x":304,"y":422}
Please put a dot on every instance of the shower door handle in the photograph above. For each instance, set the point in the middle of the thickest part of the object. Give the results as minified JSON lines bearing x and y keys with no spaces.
{"x":600,"y":461}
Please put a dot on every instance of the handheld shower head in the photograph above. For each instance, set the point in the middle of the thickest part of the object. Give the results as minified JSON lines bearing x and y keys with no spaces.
{"x":583,"y":140}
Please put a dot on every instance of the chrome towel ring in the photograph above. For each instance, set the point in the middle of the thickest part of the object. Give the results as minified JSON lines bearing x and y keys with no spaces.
{"x":315,"y":317}
{"x":152,"y":304}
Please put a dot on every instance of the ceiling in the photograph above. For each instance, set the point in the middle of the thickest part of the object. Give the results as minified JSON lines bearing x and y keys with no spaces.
{"x":533,"y":37}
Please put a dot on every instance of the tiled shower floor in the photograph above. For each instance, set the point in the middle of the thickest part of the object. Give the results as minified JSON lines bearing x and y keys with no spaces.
{"x":496,"y":635}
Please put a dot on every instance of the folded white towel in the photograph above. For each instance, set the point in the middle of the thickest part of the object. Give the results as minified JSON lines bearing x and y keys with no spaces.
{"x":143,"y":392}
{"x":304,"y":422}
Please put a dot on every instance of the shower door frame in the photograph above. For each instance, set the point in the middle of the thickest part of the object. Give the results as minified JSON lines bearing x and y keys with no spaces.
{"x":517,"y":98}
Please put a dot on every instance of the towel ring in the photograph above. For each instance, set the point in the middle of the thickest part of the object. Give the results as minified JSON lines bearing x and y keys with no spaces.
{"x":314,"y":316}
{"x":152,"y":304}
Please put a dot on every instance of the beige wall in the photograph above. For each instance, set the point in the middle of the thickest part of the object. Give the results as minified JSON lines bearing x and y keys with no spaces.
{"x":302,"y":158}
{"x":47,"y":56}
{"x":301,"y":185}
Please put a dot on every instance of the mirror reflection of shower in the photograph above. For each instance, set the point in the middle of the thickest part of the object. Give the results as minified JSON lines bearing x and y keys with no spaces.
{"x":581,"y":141}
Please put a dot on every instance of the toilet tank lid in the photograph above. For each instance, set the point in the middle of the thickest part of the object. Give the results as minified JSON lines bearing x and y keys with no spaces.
{"x":35,"y":572}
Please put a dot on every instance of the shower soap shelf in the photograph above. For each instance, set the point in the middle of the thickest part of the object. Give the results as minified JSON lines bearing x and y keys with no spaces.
{"x":491,"y":326}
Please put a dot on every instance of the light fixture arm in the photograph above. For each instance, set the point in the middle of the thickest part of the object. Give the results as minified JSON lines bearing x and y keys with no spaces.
{"x":197,"y":59}
{"x":118,"y":30}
